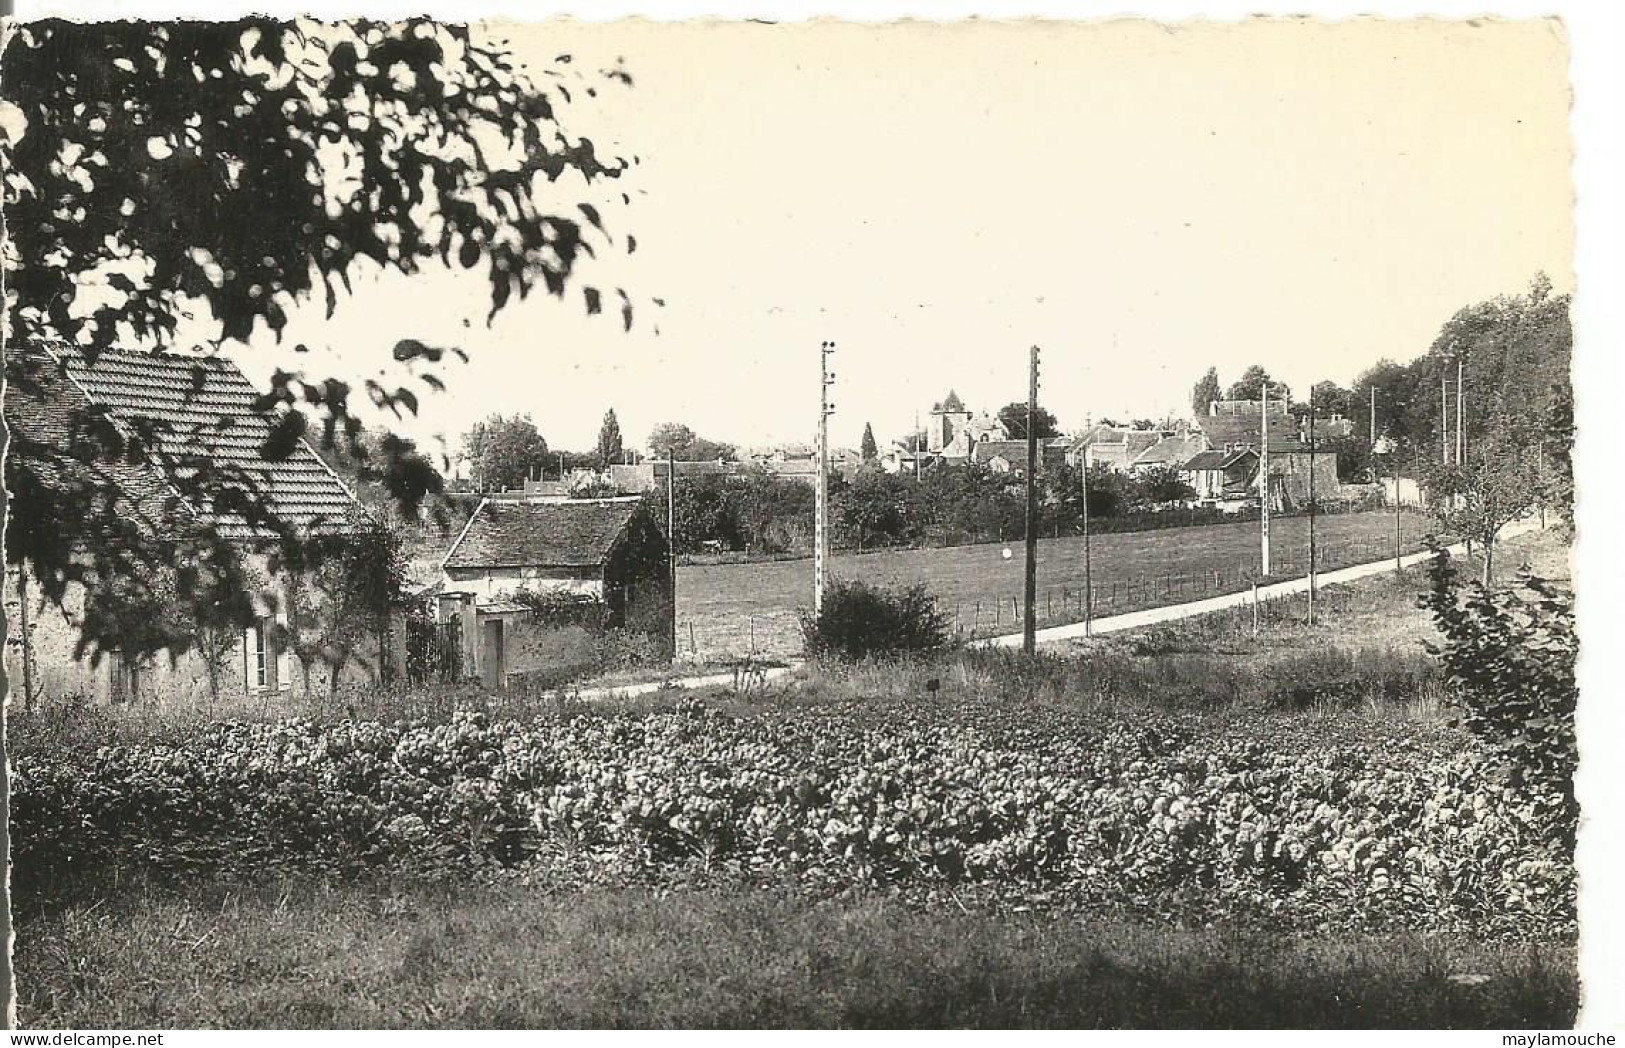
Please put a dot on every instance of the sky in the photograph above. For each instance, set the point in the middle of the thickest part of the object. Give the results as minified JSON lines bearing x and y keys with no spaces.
{"x":1141,"y":201}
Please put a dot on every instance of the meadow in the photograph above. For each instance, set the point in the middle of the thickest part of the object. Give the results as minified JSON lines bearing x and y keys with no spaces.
{"x":740,"y":609}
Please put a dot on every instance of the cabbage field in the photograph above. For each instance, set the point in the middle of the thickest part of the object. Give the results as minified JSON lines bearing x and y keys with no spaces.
{"x":1012,"y":807}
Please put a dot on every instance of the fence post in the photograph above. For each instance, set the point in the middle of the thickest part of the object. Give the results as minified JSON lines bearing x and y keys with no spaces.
{"x":693,"y":647}
{"x":1255,"y":609}
{"x":1015,"y":610}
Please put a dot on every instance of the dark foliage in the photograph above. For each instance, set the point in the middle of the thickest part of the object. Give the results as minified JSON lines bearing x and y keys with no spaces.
{"x":859,"y":621}
{"x":1511,"y":655}
{"x":236,"y":171}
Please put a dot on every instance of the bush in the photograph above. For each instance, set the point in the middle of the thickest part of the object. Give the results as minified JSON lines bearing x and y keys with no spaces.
{"x":1510,"y":656}
{"x":859,"y":620}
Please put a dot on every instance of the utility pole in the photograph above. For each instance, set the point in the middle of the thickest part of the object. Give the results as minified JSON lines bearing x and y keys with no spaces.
{"x":1311,"y":506}
{"x":1264,"y":481}
{"x":1444,"y":419}
{"x":1088,"y":573}
{"x":1029,"y":629}
{"x":1461,"y":406}
{"x":1399,"y":546}
{"x":826,"y":378}
{"x":671,"y":540}
{"x":1373,"y":417}
{"x":914,"y":439}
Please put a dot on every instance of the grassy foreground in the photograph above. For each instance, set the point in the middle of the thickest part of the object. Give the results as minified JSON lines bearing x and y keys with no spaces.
{"x":312,"y":954}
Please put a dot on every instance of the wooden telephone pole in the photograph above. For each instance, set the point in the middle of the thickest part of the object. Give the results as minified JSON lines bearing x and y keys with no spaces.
{"x":1029,"y":628}
{"x":1311,"y":506}
{"x":671,"y":540}
{"x":1264,"y":480}
{"x":1088,"y":568}
{"x":821,"y":515}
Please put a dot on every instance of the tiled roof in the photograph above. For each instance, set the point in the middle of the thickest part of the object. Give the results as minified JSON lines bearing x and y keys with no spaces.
{"x":1245,"y":430}
{"x":53,"y":444}
{"x":202,"y":408}
{"x":1219,"y":458}
{"x":1207,"y":460}
{"x":1012,"y":451}
{"x":1171,"y":451}
{"x":541,"y":534}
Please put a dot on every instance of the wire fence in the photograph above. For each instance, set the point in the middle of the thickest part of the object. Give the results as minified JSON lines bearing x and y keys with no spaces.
{"x":777,"y":634}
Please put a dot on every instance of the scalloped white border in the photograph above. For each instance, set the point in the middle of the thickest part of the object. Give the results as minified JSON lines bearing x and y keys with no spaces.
{"x":1596,"y":34}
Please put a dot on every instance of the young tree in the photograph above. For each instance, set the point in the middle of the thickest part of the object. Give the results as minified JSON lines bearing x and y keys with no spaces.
{"x":505,"y":451}
{"x":1498,"y":484}
{"x":237,"y":171}
{"x":1162,"y":485}
{"x":358,"y":582}
{"x":1014,"y":417}
{"x":609,"y":439}
{"x":219,"y":586}
{"x":868,"y":449}
{"x":1205,"y":392}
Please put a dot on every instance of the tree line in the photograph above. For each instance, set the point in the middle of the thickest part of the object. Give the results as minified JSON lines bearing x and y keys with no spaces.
{"x":1505,"y":361}
{"x":950,"y":504}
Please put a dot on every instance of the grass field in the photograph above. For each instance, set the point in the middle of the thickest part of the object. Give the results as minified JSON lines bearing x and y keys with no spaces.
{"x":735,"y":609}
{"x":303,"y":953}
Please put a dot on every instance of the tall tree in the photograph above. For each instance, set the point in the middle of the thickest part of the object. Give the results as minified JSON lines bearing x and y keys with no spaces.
{"x":867,"y":448}
{"x":237,"y":171}
{"x":505,"y":451}
{"x":1511,"y":354}
{"x":1205,"y":392}
{"x":1250,"y":386}
{"x":684,"y":445}
{"x":609,"y":439}
{"x":1014,"y":417}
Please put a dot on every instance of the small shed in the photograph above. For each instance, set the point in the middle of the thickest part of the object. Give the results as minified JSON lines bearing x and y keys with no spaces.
{"x":1221,"y":476}
{"x":515,"y":560}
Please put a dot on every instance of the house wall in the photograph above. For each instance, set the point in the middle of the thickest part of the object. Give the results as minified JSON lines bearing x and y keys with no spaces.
{"x":1289,"y":473}
{"x":489,"y":584}
{"x":638,"y":580}
{"x":53,"y":632}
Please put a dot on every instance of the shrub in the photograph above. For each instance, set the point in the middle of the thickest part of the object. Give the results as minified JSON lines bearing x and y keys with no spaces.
{"x":859,"y":620}
{"x":1510,"y":656}
{"x":562,"y":608}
